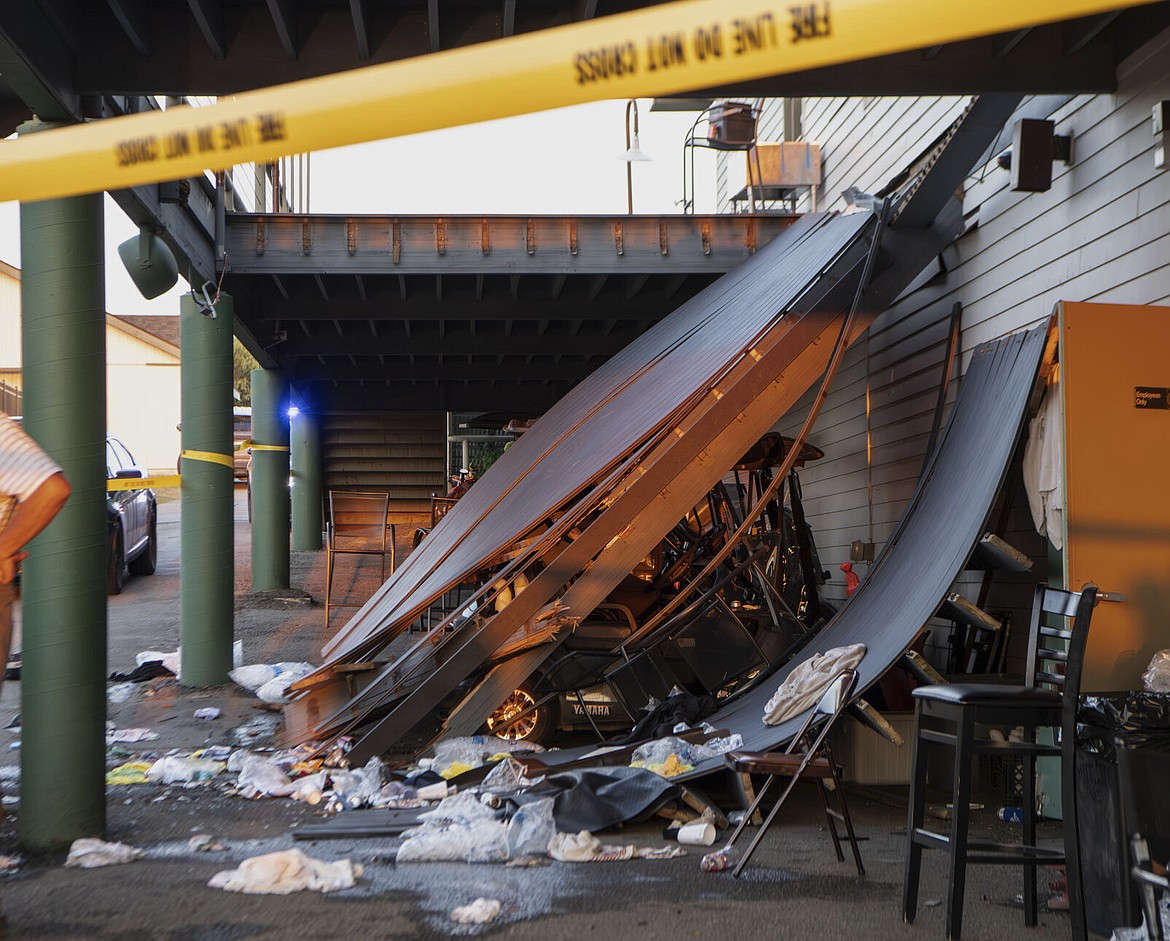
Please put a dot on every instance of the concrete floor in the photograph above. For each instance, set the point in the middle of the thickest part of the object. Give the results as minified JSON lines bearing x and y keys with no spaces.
{"x":795,"y":888}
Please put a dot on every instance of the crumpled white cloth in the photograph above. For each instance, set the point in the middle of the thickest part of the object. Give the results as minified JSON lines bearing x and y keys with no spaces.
{"x":90,"y":852}
{"x":479,"y":912}
{"x":806,"y":684}
{"x":286,"y":871}
{"x":1043,"y":465}
{"x":584,"y":847}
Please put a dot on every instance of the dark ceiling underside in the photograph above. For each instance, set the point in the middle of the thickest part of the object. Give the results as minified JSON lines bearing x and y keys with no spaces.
{"x":60,"y":56}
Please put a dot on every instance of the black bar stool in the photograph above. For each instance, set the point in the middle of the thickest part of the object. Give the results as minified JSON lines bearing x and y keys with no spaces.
{"x":947,"y":715}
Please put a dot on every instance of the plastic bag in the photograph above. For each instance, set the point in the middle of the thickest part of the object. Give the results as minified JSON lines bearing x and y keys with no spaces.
{"x":1156,"y":679}
{"x":275,"y":688}
{"x":484,"y":841}
{"x":309,"y":788}
{"x":659,"y":750}
{"x":176,"y":769}
{"x":170,"y":660}
{"x":260,"y":777}
{"x":464,"y":809}
{"x":508,"y":777}
{"x":359,"y":787}
{"x":474,"y":750}
{"x":721,"y":746}
{"x":254,"y":676}
{"x":530,"y":828}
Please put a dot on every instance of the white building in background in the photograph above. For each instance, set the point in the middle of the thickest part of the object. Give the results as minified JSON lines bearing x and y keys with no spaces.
{"x":142,"y":376}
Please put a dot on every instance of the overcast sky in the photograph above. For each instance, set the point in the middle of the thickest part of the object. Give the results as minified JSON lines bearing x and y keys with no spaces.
{"x":562,"y":161}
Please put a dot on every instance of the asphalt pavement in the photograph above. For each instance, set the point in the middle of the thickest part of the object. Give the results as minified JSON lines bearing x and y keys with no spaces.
{"x":794,"y":888}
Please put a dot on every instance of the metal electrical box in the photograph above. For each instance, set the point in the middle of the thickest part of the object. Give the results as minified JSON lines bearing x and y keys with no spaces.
{"x":786,"y":164}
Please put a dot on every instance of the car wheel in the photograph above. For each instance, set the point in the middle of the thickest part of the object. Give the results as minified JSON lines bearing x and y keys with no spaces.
{"x":147,"y":560}
{"x":116,"y":564}
{"x":534,"y":727}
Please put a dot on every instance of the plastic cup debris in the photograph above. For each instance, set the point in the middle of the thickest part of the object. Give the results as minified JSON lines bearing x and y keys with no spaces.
{"x":696,"y":834}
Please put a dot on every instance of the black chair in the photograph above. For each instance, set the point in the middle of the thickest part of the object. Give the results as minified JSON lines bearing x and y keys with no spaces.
{"x":947,"y":715}
{"x":808,"y":756}
{"x":1146,"y":815}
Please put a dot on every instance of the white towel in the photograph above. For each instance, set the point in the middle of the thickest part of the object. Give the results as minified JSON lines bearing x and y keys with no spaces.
{"x":807,"y":683}
{"x":1043,"y":468}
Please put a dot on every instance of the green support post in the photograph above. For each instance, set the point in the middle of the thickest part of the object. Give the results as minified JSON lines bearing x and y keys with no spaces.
{"x":270,"y":508}
{"x":305,"y":459}
{"x":207,"y":586}
{"x":63,"y":587}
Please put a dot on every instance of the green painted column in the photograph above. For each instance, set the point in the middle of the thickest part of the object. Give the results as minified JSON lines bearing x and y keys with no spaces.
{"x":270,"y":508}
{"x":305,"y":460}
{"x":63,"y":678}
{"x":207,"y":585}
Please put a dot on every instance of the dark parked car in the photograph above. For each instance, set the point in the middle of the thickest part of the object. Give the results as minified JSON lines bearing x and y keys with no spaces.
{"x":133,"y":520}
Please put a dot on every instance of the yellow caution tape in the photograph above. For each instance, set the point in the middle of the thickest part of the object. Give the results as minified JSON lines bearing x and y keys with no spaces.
{"x":662,"y":50}
{"x":141,"y":483}
{"x":209,"y":457}
{"x":269,"y":447}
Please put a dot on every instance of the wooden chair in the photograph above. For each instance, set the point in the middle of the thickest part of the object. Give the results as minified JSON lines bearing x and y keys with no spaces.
{"x":1146,"y":814}
{"x":439,"y":508}
{"x":808,"y":756}
{"x":357,"y":526}
{"x":947,"y":715}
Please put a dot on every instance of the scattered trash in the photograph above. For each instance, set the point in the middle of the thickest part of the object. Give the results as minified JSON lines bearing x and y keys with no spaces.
{"x":8,"y":863}
{"x":260,"y":777}
{"x":1156,"y":679}
{"x":530,"y":829}
{"x":90,"y":853}
{"x":309,"y":788}
{"x":175,"y":769}
{"x":270,"y":681}
{"x":584,"y":847}
{"x":171,"y":661}
{"x":121,"y":692}
{"x":1011,"y":814}
{"x":717,"y":861}
{"x":460,"y":828}
{"x":132,"y":772}
{"x":453,"y":756}
{"x":479,"y":912}
{"x":207,"y":712}
{"x":130,"y":735}
{"x":671,"y":756}
{"x":14,"y":724}
{"x":255,"y":729}
{"x":932,"y":903}
{"x":205,"y":843}
{"x":358,"y":787}
{"x":150,"y":670}
{"x":287,"y":871}
{"x":1141,"y":932}
{"x":435,"y":792}
{"x":696,"y":834}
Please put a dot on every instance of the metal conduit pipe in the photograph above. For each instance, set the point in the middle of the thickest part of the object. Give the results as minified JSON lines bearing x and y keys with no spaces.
{"x":63,"y":677}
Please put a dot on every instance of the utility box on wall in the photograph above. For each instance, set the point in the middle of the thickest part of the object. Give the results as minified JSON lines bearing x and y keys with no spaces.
{"x":1115,"y":382}
{"x":785,"y":164}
